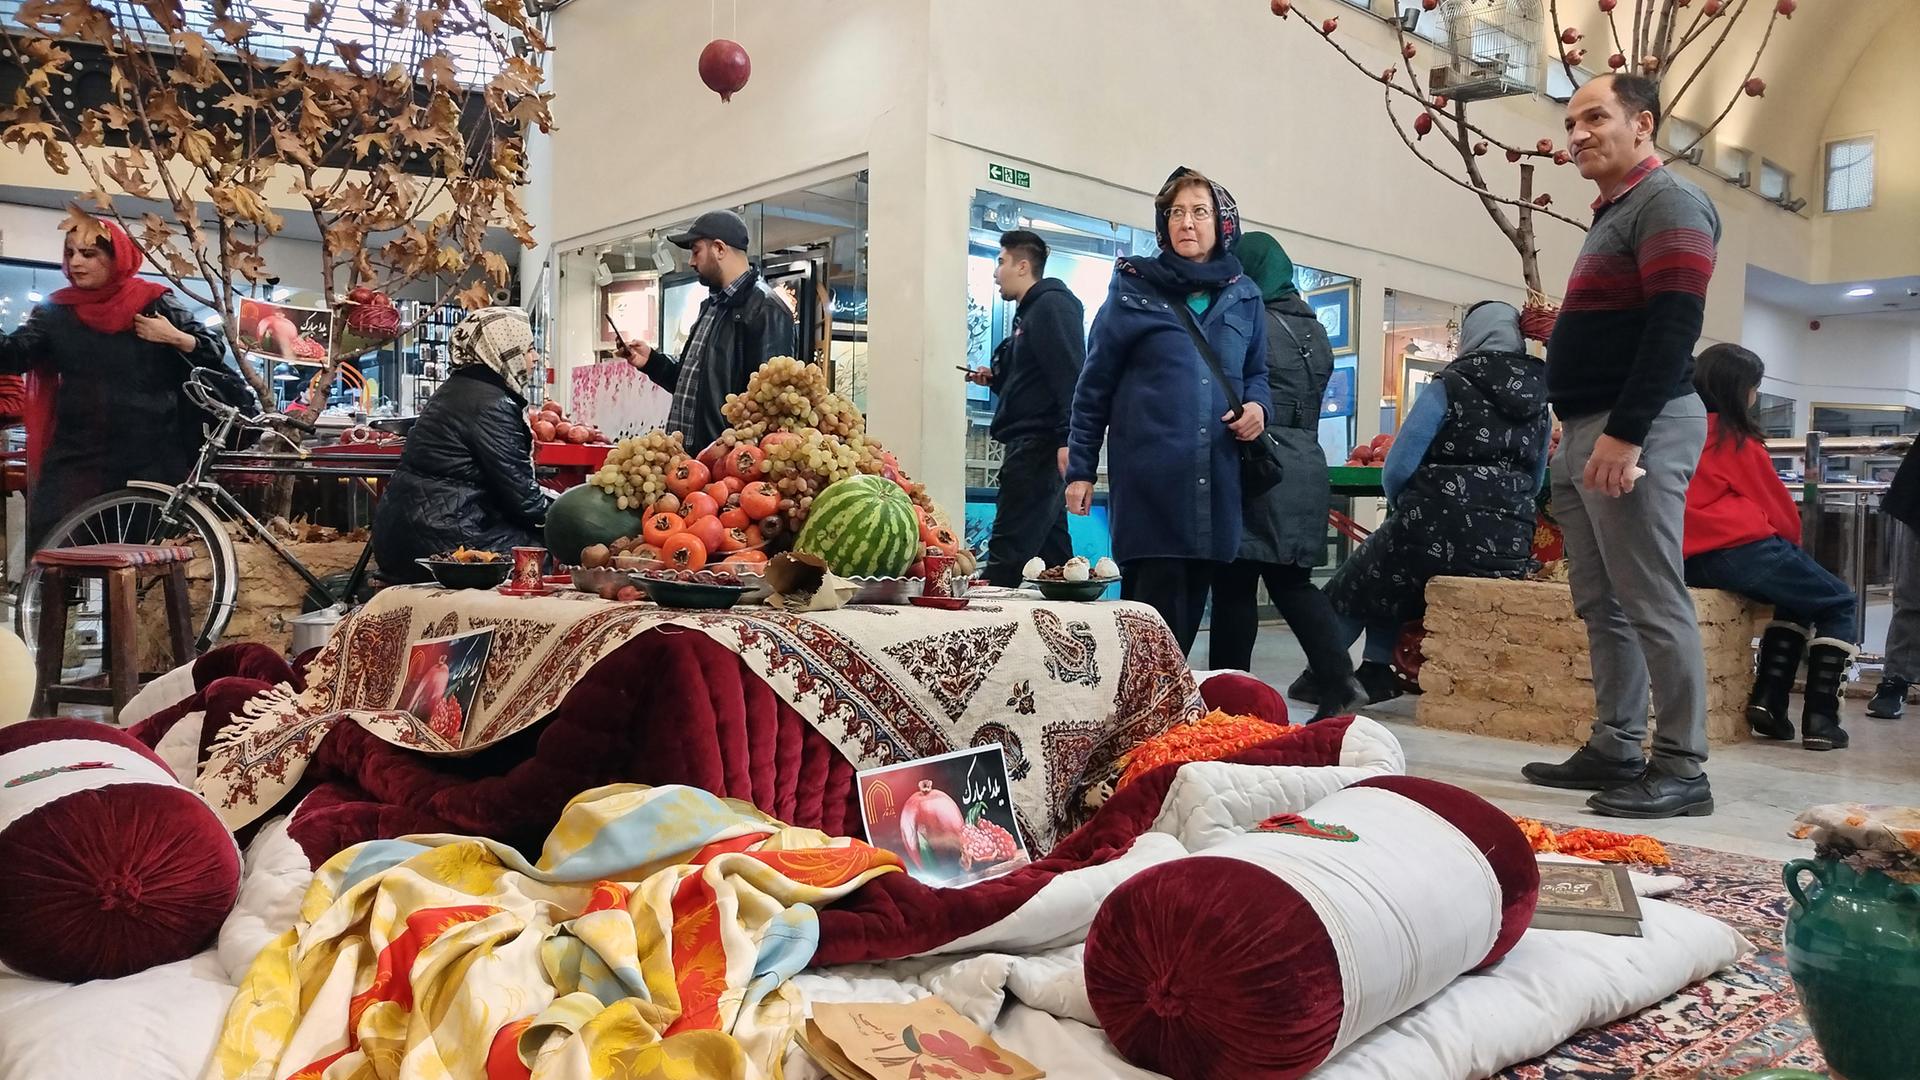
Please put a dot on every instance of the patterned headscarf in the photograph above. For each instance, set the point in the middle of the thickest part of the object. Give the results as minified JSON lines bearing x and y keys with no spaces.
{"x":497,"y":338}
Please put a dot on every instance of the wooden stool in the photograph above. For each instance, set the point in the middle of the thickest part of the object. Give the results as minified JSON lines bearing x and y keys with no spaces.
{"x":121,"y":567}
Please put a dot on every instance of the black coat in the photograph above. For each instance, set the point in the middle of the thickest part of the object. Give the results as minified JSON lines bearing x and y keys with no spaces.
{"x":1036,"y":366}
{"x":465,"y":478}
{"x":120,"y":414}
{"x":1902,"y":500}
{"x":754,"y":327}
{"x":1288,"y":525}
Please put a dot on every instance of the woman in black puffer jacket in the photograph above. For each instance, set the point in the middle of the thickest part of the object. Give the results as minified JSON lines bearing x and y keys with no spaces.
{"x":466,"y":478}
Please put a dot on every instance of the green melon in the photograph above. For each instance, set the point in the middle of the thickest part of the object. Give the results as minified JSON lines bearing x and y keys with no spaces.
{"x":862,"y":526}
{"x":585,"y":516}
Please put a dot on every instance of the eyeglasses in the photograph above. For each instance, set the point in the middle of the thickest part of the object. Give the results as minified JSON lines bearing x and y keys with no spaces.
{"x":1198,"y":214}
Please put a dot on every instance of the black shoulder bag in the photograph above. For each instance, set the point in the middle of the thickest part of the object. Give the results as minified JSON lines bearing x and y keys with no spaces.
{"x":1260,"y":468}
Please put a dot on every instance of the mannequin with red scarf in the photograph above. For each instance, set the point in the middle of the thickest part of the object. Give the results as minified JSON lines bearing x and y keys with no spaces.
{"x":104,"y":360}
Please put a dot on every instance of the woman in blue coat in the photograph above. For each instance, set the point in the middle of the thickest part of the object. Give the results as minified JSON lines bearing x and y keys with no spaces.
{"x":1173,"y":466}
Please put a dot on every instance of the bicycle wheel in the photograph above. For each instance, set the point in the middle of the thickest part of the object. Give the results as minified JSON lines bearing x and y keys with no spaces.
{"x":137,"y":514}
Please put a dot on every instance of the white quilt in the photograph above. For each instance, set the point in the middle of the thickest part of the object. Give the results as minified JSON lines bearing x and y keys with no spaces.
{"x":1020,"y":978}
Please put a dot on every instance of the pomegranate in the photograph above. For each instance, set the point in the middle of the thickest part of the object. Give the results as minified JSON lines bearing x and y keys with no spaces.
{"x":553,"y":407}
{"x":1786,"y":7}
{"x":1545,"y":146}
{"x":987,"y":843}
{"x":543,"y":431}
{"x":1571,"y":35}
{"x":579,"y":434}
{"x":1560,"y":157}
{"x":1513,"y":155}
{"x":1607,"y":6}
{"x":1282,"y":8}
{"x":1440,"y":101}
{"x":1409,"y":51}
{"x":1756,"y":87}
{"x":1480,"y":149}
{"x":1330,"y":25}
{"x":1422,"y":124}
{"x":725,"y":67}
{"x":1711,"y":8}
{"x":1543,"y":201}
{"x":1574,"y":56}
{"x":1387,"y":75}
{"x":931,"y":825}
{"x":1429,"y":5}
{"x":1617,"y":61}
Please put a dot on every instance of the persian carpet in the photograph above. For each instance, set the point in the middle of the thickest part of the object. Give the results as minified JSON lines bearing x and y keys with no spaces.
{"x":1745,"y":1018}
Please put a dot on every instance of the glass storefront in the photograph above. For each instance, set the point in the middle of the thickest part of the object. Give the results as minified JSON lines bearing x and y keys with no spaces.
{"x":1423,"y":336}
{"x":1081,"y":254}
{"x":809,"y":244}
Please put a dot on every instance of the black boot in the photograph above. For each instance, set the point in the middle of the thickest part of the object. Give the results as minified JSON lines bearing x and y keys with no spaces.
{"x":1305,"y":688}
{"x":1379,"y":681}
{"x":1780,"y":650}
{"x":1827,"y":662}
{"x":1658,"y":794}
{"x":1585,"y":771}
{"x":1890,"y":700}
{"x":1343,"y":700}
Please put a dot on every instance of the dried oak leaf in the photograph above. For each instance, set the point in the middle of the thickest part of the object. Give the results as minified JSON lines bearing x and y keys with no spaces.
{"x":86,"y":228}
{"x":474,"y":296}
{"x":438,"y":71}
{"x":316,"y":14}
{"x":233,"y":30}
{"x":129,"y":171}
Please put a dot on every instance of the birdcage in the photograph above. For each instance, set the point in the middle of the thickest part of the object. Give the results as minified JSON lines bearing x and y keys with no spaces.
{"x":1493,"y":48}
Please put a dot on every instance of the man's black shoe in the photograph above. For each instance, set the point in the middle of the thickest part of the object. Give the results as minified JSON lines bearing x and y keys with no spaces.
{"x":1657,"y":795}
{"x":1890,"y":700}
{"x":1584,"y":771}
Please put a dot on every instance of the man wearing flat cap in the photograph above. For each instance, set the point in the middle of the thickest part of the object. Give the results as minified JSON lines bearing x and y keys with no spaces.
{"x":742,"y":324}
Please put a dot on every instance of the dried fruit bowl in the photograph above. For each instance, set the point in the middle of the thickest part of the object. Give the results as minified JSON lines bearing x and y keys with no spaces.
{"x":692,"y":594}
{"x":1073,"y":590}
{"x":467,"y":575}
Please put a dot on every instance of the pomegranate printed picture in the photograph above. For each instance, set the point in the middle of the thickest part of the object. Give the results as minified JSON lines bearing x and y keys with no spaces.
{"x":443,"y":678}
{"x":947,"y":817}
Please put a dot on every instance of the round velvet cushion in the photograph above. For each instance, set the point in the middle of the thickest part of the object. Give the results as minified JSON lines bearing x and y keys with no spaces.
{"x":1498,"y":838}
{"x":1239,"y":694}
{"x":108,"y":866}
{"x":1214,"y":968}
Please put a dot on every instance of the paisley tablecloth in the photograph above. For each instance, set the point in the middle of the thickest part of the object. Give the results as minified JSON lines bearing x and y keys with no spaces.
{"x":1064,"y":688}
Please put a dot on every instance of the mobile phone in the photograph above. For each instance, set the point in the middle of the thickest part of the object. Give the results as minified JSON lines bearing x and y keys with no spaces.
{"x":617,"y":339}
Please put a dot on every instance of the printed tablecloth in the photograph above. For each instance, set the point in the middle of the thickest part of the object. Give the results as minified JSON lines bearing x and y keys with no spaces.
{"x":1064,"y":688}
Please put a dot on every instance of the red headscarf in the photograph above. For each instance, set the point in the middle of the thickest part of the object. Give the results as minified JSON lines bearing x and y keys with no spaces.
{"x":109,"y":309}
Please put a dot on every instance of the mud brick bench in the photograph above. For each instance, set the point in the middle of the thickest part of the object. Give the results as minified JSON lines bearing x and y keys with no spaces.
{"x":1509,"y":659}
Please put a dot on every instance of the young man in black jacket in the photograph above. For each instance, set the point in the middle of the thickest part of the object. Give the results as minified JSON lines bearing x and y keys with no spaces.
{"x":743,"y":323}
{"x":1033,"y":374}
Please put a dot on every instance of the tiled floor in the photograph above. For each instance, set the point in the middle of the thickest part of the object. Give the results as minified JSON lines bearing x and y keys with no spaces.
{"x":1758,"y":787}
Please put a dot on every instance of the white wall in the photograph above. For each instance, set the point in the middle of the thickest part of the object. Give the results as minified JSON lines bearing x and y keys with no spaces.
{"x":1851,"y":359}
{"x":1100,"y":101}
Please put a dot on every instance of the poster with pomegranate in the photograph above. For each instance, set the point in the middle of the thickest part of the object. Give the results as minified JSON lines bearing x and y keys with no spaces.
{"x":443,"y":678}
{"x":947,"y":817}
{"x":618,"y":400}
{"x":282,"y":332}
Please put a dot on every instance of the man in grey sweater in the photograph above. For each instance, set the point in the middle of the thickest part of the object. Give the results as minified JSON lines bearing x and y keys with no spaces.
{"x":1620,"y":376}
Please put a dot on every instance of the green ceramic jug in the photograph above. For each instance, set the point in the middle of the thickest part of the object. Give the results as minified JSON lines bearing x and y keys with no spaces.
{"x":1853,"y":948}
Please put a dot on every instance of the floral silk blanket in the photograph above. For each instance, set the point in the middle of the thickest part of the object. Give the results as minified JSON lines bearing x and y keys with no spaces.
{"x":1065,"y":688}
{"x":653,"y":939}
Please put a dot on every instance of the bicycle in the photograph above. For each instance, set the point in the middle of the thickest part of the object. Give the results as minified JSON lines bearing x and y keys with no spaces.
{"x":197,"y":513}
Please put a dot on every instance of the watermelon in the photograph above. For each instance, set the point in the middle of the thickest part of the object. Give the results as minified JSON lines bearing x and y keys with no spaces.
{"x":862,"y":526}
{"x":585,"y":516}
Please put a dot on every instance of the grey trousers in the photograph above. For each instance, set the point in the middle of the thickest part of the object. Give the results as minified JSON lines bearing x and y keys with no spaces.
{"x":1903,"y":636}
{"x":1629,"y":586}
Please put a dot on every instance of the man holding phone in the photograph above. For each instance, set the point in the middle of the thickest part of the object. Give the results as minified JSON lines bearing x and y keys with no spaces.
{"x":742,"y":325}
{"x":1033,"y":374}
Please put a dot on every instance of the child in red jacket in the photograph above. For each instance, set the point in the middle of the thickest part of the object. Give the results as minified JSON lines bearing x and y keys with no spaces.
{"x":1743,"y":536}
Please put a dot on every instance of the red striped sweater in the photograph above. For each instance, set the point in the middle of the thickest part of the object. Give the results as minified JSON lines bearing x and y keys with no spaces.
{"x":1624,"y":341}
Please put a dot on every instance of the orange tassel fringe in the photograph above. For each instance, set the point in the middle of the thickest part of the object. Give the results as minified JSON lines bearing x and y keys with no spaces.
{"x":1596,"y":844}
{"x":1212,"y":737}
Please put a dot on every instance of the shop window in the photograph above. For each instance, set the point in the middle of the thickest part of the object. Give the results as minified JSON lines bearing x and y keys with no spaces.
{"x":1850,"y":174}
{"x":1423,"y":335}
{"x":1558,"y":85}
{"x":1775,"y":182}
{"x":1774,"y":413}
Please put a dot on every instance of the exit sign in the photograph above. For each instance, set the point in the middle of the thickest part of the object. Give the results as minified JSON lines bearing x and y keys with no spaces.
{"x":1006,"y":174}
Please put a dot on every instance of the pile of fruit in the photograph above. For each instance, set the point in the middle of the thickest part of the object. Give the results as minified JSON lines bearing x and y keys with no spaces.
{"x":795,"y":470}
{"x":1373,"y":453}
{"x":550,"y":425}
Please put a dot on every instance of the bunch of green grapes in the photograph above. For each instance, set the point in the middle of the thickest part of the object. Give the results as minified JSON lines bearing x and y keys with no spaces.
{"x":635,"y":473}
{"x":800,"y":469}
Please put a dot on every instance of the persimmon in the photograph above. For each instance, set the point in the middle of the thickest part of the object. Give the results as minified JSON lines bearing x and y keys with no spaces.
{"x":735,"y":518}
{"x":709,"y":531}
{"x":697,"y":505}
{"x":659,"y":527}
{"x":687,"y":477}
{"x":744,"y":461}
{"x":762,"y":500}
{"x":684,"y":551}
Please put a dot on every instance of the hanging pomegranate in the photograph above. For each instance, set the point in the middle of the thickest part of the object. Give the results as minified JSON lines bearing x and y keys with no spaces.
{"x":724,"y":67}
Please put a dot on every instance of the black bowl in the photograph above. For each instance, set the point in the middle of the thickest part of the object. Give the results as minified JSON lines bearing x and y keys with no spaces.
{"x":692,"y":594}
{"x":475,"y":575}
{"x":1072,"y":590}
